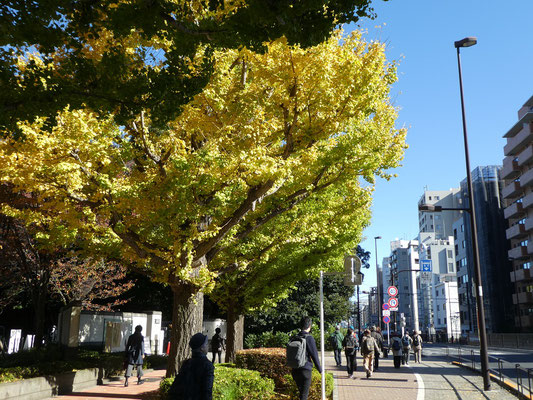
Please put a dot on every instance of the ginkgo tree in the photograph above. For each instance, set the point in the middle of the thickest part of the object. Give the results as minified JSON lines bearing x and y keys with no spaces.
{"x":313,"y":236}
{"x":269,"y":131}
{"x":125,"y":56}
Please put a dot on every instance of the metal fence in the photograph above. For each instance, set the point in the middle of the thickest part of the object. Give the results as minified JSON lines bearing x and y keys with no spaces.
{"x":511,"y":340}
{"x":506,"y":372}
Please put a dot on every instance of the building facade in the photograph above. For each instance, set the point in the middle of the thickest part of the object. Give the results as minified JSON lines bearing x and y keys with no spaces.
{"x":517,"y":172}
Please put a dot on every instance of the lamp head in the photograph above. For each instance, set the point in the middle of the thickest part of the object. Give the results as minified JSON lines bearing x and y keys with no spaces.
{"x":377,"y":237}
{"x":466,"y":42}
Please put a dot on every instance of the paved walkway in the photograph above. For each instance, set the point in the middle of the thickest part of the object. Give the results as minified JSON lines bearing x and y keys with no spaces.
{"x":116,"y":389}
{"x":430,"y":380}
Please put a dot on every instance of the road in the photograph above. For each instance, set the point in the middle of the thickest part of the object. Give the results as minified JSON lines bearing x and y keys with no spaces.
{"x":501,"y":360}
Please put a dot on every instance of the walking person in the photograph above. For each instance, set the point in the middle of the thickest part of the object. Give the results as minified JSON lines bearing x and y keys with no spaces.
{"x":368,"y":346}
{"x":336,"y":339}
{"x":197,"y":374}
{"x":378,"y":337}
{"x":417,"y":346}
{"x":135,"y":355}
{"x":217,"y":345}
{"x":302,"y":361}
{"x":396,"y":347}
{"x":406,"y":348}
{"x":350,"y":344}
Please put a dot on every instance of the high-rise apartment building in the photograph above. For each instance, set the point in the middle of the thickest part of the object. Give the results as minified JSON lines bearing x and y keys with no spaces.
{"x":493,"y":258}
{"x":518,"y":197}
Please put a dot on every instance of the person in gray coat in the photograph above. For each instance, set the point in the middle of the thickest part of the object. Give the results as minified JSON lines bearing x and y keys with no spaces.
{"x":135,"y":354}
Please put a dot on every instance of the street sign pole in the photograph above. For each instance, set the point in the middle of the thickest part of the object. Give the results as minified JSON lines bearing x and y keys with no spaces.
{"x":322,"y":335}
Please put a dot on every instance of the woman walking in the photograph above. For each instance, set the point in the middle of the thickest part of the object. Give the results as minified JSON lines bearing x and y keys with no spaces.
{"x":350,"y":344}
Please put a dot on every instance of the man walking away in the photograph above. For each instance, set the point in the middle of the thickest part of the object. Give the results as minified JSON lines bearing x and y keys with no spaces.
{"x":301,"y":354}
{"x":406,"y":348}
{"x":417,"y":346}
{"x":217,"y":345}
{"x":376,"y":334}
{"x":197,"y":374}
{"x":396,"y":347}
{"x":368,"y":346}
{"x":351,"y":344}
{"x":336,"y":342}
{"x":135,"y":355}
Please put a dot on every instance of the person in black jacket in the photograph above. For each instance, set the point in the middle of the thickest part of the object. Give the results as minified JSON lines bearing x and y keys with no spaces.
{"x":217,"y":345}
{"x":197,"y":374}
{"x":135,"y":354}
{"x":302,"y":376}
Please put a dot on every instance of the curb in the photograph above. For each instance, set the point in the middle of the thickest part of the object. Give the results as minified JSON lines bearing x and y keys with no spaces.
{"x":508,"y":385}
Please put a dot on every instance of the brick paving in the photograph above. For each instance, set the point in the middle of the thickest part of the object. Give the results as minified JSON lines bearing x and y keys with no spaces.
{"x":386,"y":383}
{"x":116,"y":389}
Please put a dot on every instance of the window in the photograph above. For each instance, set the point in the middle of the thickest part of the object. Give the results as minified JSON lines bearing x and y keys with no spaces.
{"x":429,"y":197}
{"x":438,"y":307}
{"x":464,"y":244}
{"x":458,"y":265}
{"x":450,"y":254}
{"x":437,"y":197}
{"x":444,"y":321}
{"x":444,"y":307}
{"x":451,"y":267}
{"x":455,"y":234}
{"x":456,"y":249}
{"x":443,"y":292}
{"x":462,"y":228}
{"x":439,"y":321}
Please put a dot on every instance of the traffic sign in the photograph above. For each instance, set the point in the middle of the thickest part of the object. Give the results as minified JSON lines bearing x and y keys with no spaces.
{"x":393,"y":309}
{"x":393,"y":302}
{"x":385,"y":306}
{"x":386,"y":313}
{"x":392,"y":291}
{"x":386,"y":320}
{"x":426,"y":265}
{"x":352,"y":266}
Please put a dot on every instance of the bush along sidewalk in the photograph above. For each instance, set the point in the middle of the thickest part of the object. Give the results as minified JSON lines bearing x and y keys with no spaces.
{"x":48,"y":361}
{"x":233,"y":384}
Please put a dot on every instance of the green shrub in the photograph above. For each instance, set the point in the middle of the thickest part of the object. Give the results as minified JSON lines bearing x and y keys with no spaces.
{"x":233,"y":384}
{"x":270,"y":362}
{"x":315,"y":392}
{"x":267,"y":339}
{"x":156,"y":361}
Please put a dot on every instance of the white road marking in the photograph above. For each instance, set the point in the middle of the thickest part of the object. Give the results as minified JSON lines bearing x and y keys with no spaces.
{"x":420,"y":393}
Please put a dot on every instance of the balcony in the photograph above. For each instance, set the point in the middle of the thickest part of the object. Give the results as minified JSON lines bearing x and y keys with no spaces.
{"x":512,"y":190}
{"x":521,"y":275}
{"x":516,"y":231}
{"x":514,"y":210}
{"x":510,"y":169}
{"x":519,"y":142}
{"x":526,"y":179}
{"x":529,"y":224}
{"x":526,"y":321}
{"x":524,"y":119}
{"x":525,"y":157}
{"x":527,"y":201}
{"x":523,"y":298}
{"x":518,"y":252}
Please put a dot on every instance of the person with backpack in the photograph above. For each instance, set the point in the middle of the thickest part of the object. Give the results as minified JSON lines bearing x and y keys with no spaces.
{"x":350,"y":344}
{"x":197,"y":374}
{"x":217,"y":345}
{"x":396,"y":347}
{"x":336,"y":339}
{"x":378,"y":337}
{"x":417,"y":346}
{"x":406,"y":348}
{"x":368,"y":347}
{"x":301,"y":354}
{"x":135,"y":355}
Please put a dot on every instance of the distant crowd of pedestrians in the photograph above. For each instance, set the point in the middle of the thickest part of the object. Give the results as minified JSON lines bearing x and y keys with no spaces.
{"x":372,"y":348}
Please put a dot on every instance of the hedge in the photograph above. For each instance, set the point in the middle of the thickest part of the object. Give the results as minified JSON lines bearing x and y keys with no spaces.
{"x":233,"y":384}
{"x":270,"y":362}
{"x":315,"y":392}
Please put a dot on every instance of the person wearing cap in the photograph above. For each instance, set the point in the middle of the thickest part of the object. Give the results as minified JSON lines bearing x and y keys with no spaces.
{"x":135,"y":355}
{"x":197,"y":374}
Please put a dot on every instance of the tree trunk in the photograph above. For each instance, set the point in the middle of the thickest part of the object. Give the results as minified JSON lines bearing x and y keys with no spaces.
{"x":235,"y":333}
{"x":187,"y":319}
{"x":40,"y":299}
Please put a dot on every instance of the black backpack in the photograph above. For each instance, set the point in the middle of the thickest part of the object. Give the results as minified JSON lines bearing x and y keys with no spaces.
{"x":396,"y":345}
{"x":416,"y":341}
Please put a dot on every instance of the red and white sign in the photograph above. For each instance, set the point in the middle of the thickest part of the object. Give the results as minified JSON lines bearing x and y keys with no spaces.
{"x":385,"y":306}
{"x":392,"y":291}
{"x":386,"y":313}
{"x":393,"y":302}
{"x":386,"y":320}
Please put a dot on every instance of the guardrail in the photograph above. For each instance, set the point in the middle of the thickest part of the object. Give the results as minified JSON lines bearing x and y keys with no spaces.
{"x":509,"y":374}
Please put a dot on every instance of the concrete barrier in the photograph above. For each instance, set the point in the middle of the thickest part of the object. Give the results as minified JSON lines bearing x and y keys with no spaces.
{"x":48,"y":386}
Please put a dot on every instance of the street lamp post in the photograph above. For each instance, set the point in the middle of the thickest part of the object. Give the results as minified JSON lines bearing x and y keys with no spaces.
{"x":467,"y":42}
{"x":380,"y":298}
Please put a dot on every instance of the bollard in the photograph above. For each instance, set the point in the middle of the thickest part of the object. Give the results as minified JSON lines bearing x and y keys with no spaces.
{"x":500,"y":367}
{"x":518,"y":378}
{"x":529,"y":370}
{"x":473,"y":360}
{"x":459,"y":353}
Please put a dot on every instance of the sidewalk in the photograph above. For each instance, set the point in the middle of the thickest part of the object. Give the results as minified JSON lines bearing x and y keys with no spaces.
{"x":386,"y":383}
{"x":430,"y":380}
{"x":116,"y":389}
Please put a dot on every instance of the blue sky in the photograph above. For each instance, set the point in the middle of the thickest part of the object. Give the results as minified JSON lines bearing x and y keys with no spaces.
{"x":497,"y":77}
